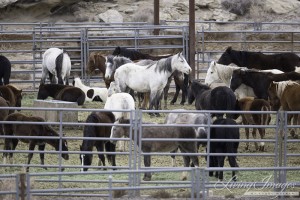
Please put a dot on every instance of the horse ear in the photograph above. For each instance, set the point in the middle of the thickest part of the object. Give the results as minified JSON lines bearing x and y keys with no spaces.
{"x":229,"y":49}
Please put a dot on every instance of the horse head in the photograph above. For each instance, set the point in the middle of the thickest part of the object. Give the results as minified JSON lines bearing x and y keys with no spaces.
{"x":49,"y":131}
{"x":109,"y":67}
{"x":113,"y":89}
{"x":17,"y":95}
{"x":225,"y":58}
{"x":212,"y":74}
{"x":85,"y":159}
{"x":119,"y":131}
{"x":179,"y":63}
{"x":273,"y":96}
{"x":117,"y":51}
{"x":237,"y":78}
{"x":42,"y":93}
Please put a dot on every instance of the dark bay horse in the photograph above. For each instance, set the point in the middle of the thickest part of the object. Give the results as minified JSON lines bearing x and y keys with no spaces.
{"x":61,"y":92}
{"x":97,"y":131}
{"x":285,"y":62}
{"x":219,"y":98}
{"x":35,"y":130}
{"x":259,"y":81}
{"x":12,"y":94}
{"x":162,"y":146}
{"x":97,"y":62}
{"x":180,"y":79}
{"x":3,"y":112}
{"x":5,"y":70}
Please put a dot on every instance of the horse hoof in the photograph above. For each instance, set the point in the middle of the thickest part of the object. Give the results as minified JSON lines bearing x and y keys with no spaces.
{"x":158,"y":115}
{"x":172,"y":103}
{"x":147,"y":178}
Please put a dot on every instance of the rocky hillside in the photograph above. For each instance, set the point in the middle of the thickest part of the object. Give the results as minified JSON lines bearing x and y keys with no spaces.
{"x":142,"y":10}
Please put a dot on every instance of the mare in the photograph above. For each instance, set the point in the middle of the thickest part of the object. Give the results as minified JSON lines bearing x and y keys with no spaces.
{"x":161,"y":146}
{"x":285,"y":62}
{"x":5,"y":70}
{"x":34,"y":130}
{"x":61,"y":92}
{"x":251,"y":104}
{"x":91,"y":93}
{"x":228,"y":133}
{"x":218,"y":98}
{"x":179,"y":116}
{"x":285,"y":95}
{"x":218,"y":72}
{"x":259,"y":81}
{"x":56,"y":63}
{"x":180,"y":79}
{"x":101,"y":131}
{"x":97,"y":61}
{"x":151,"y":78}
{"x":12,"y":94}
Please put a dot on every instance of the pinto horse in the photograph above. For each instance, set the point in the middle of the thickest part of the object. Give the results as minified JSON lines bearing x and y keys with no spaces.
{"x":35,"y":130}
{"x":56,"y":63}
{"x":5,"y":70}
{"x":97,"y":131}
{"x":161,"y":146}
{"x":285,"y":62}
{"x":61,"y":92}
{"x":180,"y":79}
{"x":219,"y":98}
{"x":151,"y":78}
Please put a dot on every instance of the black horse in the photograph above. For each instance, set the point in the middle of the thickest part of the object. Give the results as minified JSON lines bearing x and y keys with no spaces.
{"x":100,"y":131}
{"x":285,"y":62}
{"x":181,"y":80}
{"x":219,"y":98}
{"x":5,"y":70}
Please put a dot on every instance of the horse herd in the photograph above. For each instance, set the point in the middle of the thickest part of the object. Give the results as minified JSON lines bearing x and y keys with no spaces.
{"x":271,"y":85}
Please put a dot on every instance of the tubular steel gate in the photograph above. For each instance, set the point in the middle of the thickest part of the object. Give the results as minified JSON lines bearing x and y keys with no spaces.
{"x":273,"y":173}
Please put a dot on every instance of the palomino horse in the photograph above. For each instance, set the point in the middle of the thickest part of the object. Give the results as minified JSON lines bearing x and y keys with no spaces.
{"x":97,"y":131}
{"x":56,"y":63}
{"x":161,"y":146}
{"x":285,"y":62}
{"x":35,"y":130}
{"x":285,"y":96}
{"x":151,"y":78}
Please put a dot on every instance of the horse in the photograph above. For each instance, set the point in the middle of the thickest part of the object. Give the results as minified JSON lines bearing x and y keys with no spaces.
{"x":97,"y":61}
{"x":285,"y":95}
{"x":252,"y":104}
{"x":259,"y":81}
{"x":180,"y":79}
{"x":12,"y":94}
{"x":61,"y":92}
{"x":152,"y":78}
{"x":218,"y":72}
{"x":91,"y":93}
{"x":56,"y":63}
{"x":286,"y":62}
{"x":3,"y":112}
{"x":218,"y":98}
{"x":5,"y":70}
{"x":99,"y":132}
{"x":189,"y":118}
{"x":34,"y":130}
{"x":161,"y":146}
{"x":228,"y":133}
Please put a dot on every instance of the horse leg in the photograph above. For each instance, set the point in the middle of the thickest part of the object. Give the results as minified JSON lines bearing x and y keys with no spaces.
{"x":166,"y":90}
{"x":232,"y":160}
{"x":247,"y":136}
{"x":176,"y":95}
{"x":147,"y":163}
{"x":1,"y":83}
{"x":220,"y":160}
{"x":30,"y":154}
{"x":45,"y":72}
{"x":173,"y":158}
{"x":110,"y":147}
{"x":186,"y":161}
{"x":100,"y":148}
{"x":295,"y":122}
{"x":261,"y":132}
{"x":254,"y":137}
{"x":42,"y":155}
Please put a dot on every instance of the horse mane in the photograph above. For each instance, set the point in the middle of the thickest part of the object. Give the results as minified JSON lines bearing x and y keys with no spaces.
{"x":197,"y":84}
{"x":122,"y":120}
{"x":163,"y":65}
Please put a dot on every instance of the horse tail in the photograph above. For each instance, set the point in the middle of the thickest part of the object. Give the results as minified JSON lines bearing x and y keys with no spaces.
{"x":58,"y":67}
{"x":265,"y":117}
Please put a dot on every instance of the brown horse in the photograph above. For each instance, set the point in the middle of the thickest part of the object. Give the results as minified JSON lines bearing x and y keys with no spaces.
{"x":12,"y":94}
{"x":61,"y":92}
{"x":3,"y":112}
{"x":285,"y":95}
{"x":36,"y":130}
{"x":97,"y":61}
{"x":251,"y":104}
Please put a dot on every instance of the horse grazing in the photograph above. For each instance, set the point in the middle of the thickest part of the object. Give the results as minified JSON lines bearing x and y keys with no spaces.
{"x":151,"y":78}
{"x":228,"y":133}
{"x":12,"y":94}
{"x":161,"y":146}
{"x":259,"y":81}
{"x":34,"y":130}
{"x":219,"y":98}
{"x":285,"y":62}
{"x":56,"y":63}
{"x":97,"y":61}
{"x":5,"y":70}
{"x":189,"y":118}
{"x":91,"y":93}
{"x":252,"y":104}
{"x":99,"y":132}
{"x":62,"y":93}
{"x":285,"y":94}
{"x":217,"y":72}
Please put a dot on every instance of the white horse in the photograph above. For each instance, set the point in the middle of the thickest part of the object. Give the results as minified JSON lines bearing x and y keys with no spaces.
{"x":91,"y":93}
{"x":218,"y":72}
{"x":150,"y":78}
{"x":57,"y":64}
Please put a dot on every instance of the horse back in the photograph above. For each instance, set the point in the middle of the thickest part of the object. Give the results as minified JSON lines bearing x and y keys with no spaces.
{"x":290,"y":97}
{"x":72,"y":94}
{"x":8,"y":95}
